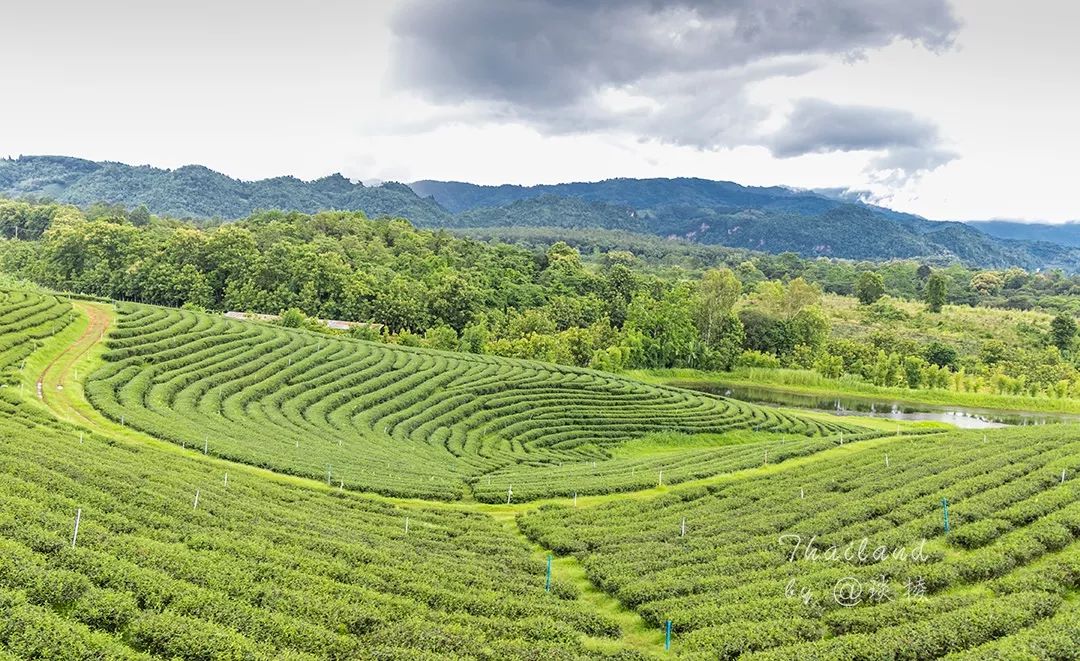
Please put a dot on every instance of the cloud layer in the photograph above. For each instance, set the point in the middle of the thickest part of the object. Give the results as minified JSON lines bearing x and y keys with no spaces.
{"x":675,"y":71}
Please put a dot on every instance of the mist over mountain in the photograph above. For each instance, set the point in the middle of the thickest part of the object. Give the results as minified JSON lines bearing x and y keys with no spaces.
{"x":772,"y":219}
{"x":1066,"y":234}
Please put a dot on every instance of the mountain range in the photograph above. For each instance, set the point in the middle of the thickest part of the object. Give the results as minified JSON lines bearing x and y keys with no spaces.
{"x":772,"y":219}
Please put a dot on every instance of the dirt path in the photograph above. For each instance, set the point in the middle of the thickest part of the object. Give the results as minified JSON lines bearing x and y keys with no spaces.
{"x":55,"y":386}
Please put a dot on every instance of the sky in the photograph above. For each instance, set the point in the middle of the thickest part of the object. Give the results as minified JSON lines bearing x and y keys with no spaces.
{"x":962,"y":109}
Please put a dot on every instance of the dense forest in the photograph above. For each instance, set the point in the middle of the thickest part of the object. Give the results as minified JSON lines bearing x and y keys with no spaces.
{"x":773,"y":219}
{"x":611,"y":306}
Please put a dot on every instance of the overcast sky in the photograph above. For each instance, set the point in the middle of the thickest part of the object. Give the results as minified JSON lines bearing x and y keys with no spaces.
{"x":959,"y":110}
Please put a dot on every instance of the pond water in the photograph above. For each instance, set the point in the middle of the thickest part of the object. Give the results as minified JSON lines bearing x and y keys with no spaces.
{"x":960,"y":416}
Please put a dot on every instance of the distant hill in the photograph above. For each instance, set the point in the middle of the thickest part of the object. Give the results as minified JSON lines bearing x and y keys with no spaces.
{"x":773,"y":219}
{"x":636,"y":193}
{"x":1066,"y":234}
{"x":194,"y":191}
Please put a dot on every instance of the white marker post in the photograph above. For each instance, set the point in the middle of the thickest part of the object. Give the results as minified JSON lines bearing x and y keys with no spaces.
{"x":80,"y":438}
{"x":206,"y":445}
{"x":78,"y":519}
{"x":575,"y":499}
{"x":1063,"y":476}
{"x":683,"y":533}
{"x":509,"y":492}
{"x":802,"y":493}
{"x":196,"y":505}
{"x":660,"y":482}
{"x":406,"y":525}
{"x":226,"y":480}
{"x":886,"y":460}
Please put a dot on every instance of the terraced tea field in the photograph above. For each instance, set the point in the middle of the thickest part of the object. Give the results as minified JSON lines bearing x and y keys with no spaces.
{"x":729,"y":564}
{"x":25,"y":320}
{"x":410,"y":422}
{"x":175,"y":560}
{"x":116,"y":543}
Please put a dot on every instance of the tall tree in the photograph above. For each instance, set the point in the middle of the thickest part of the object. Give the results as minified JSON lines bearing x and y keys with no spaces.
{"x":1063,"y":331}
{"x":936,"y":290}
{"x":716,"y":295}
{"x":870,"y":287}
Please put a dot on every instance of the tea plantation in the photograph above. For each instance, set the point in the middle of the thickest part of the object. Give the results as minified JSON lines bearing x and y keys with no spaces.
{"x":743,"y":569}
{"x":408,"y":422}
{"x":767,"y":535}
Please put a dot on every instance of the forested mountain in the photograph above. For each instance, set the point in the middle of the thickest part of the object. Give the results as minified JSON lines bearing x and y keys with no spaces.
{"x":194,"y":191}
{"x":1066,"y":234}
{"x":773,"y":219}
{"x":636,"y":193}
{"x":851,"y":231}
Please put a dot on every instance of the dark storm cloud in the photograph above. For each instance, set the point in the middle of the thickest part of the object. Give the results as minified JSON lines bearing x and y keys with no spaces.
{"x":554,"y":64}
{"x":553,"y":52}
{"x":909,"y":144}
{"x":816,"y":126}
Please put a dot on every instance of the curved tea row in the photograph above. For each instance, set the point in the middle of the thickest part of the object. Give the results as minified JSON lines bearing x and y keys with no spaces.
{"x":400,"y":421}
{"x":25,"y":319}
{"x":176,"y":559}
{"x":743,"y":569}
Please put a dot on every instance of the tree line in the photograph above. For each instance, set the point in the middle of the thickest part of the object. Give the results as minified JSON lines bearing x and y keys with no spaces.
{"x":611,"y":310}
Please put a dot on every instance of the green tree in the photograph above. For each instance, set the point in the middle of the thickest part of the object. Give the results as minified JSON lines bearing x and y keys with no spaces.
{"x":914,"y":367}
{"x":987,"y":283}
{"x":870,"y":287}
{"x":716,"y":295}
{"x":670,"y":337}
{"x":940,"y":354}
{"x":1063,"y":331}
{"x":292,"y":318}
{"x":441,"y":337}
{"x":936,"y":291}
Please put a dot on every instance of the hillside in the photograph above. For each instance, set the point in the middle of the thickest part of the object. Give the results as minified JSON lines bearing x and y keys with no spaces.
{"x":409,"y":422}
{"x":1066,"y":234}
{"x":194,"y":191}
{"x":123,"y":540}
{"x":771,"y":219}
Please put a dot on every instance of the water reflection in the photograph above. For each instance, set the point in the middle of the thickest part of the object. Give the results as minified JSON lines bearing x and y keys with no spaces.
{"x":959,"y":416}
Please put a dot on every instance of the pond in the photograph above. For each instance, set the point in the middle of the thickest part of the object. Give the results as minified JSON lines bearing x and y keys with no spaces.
{"x":959,"y":416}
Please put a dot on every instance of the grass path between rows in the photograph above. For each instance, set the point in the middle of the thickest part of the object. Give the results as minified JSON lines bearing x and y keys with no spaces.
{"x":77,"y":350}
{"x":54,"y":374}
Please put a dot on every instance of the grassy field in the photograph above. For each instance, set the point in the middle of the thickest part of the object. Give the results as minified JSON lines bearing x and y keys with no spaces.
{"x":963,"y":326}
